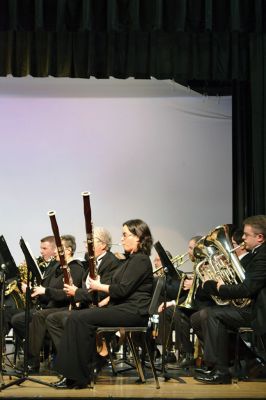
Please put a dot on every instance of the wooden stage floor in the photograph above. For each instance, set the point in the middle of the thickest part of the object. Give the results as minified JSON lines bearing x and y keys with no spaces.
{"x":108,"y":387}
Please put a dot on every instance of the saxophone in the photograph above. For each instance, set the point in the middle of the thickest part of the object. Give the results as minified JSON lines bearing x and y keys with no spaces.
{"x":13,"y":287}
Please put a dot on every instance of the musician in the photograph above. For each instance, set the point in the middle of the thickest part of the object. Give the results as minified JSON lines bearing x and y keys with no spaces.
{"x":158,"y":269}
{"x":244,"y":257}
{"x":180,"y":315}
{"x":170,"y":292}
{"x":52,"y":298}
{"x":216,"y":321}
{"x":106,"y":265}
{"x":46,"y":262}
{"x":130,"y":295}
{"x":48,"y":251}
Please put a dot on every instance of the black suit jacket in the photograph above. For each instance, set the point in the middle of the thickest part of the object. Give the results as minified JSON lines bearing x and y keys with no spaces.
{"x":54,"y":283}
{"x":108,"y":265}
{"x":253,"y":287}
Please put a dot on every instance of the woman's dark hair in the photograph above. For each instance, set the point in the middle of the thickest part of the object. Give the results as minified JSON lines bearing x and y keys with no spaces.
{"x":140,"y":229}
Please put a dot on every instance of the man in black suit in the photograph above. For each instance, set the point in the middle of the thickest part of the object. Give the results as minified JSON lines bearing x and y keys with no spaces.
{"x":106,"y":264}
{"x":51,"y":298}
{"x":46,"y":263}
{"x":216,"y":321}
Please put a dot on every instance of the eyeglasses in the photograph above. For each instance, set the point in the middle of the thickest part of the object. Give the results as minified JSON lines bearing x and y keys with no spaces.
{"x":250,"y":234}
{"x":125,"y":236}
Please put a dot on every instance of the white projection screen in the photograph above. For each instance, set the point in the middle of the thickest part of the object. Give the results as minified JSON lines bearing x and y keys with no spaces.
{"x":144,"y":149}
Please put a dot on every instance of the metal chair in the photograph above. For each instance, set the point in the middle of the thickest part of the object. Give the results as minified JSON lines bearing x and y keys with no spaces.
{"x":129,"y":337}
{"x":253,"y":346}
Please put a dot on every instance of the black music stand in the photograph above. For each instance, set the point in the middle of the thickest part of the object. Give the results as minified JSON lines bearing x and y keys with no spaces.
{"x":33,"y":268}
{"x":8,"y":272}
{"x":168,"y":268}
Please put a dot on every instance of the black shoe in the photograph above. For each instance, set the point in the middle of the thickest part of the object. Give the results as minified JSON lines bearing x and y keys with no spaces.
{"x":187,"y":361}
{"x":99,"y":363}
{"x":215,"y":377}
{"x":64,"y":383}
{"x":170,"y":358}
{"x":203,"y":371}
{"x":33,"y":369}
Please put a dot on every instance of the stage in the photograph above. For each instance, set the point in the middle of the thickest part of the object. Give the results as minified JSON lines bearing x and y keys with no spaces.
{"x":125,"y":386}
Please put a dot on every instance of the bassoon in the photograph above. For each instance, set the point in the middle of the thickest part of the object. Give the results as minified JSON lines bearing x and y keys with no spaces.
{"x":65,"y":268}
{"x":90,"y":242}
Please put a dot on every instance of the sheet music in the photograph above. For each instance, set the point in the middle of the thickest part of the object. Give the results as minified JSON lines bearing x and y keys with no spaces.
{"x":165,"y":260}
{"x":31,"y":260}
{"x":7,"y":260}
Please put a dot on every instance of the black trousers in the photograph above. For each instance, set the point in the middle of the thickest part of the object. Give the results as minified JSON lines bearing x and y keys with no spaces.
{"x":178,"y":319}
{"x":55,"y":324}
{"x":78,"y":343}
{"x":9,"y":313}
{"x":38,"y":330}
{"x":212,"y":325}
{"x":18,"y":323}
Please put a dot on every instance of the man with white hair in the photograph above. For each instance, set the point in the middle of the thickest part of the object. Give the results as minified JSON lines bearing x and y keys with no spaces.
{"x":106,"y":264}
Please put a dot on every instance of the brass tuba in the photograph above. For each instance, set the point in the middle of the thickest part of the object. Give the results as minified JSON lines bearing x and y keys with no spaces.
{"x":221,"y":263}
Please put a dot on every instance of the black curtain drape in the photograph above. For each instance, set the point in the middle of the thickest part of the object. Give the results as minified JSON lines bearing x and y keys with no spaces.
{"x":213,"y":45}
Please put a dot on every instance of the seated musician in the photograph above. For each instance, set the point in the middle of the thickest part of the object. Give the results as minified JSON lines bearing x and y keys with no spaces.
{"x":52,"y":298}
{"x":171,"y":291}
{"x":179,"y":315}
{"x":46,"y":263}
{"x":106,"y":264}
{"x":217,"y":321}
{"x":130,"y":293}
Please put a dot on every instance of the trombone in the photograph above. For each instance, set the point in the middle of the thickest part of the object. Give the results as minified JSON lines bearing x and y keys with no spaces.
{"x":180,"y":259}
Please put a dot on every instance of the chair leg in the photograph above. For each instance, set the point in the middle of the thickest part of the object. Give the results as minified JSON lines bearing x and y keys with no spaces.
{"x":236,"y":366}
{"x":151,"y":363}
{"x":112,"y":361}
{"x":136,"y":357}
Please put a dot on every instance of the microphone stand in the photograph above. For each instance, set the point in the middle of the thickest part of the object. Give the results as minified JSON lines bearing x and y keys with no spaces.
{"x":25,"y":373}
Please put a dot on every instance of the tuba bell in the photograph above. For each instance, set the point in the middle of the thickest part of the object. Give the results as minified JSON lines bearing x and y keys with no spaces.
{"x":221,"y":263}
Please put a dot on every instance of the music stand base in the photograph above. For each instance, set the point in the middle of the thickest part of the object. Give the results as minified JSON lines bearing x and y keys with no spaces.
{"x":20,"y":380}
{"x":168,"y":375}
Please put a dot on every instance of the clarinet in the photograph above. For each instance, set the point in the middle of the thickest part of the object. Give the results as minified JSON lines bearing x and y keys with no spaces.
{"x":65,"y":268}
{"x":90,"y":243}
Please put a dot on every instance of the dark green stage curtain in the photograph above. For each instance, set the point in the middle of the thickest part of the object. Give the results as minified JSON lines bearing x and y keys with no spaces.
{"x":249,"y":135}
{"x":176,"y":39}
{"x":133,"y":15}
{"x":242,"y":158}
{"x":179,"y":56}
{"x":258,"y":111}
